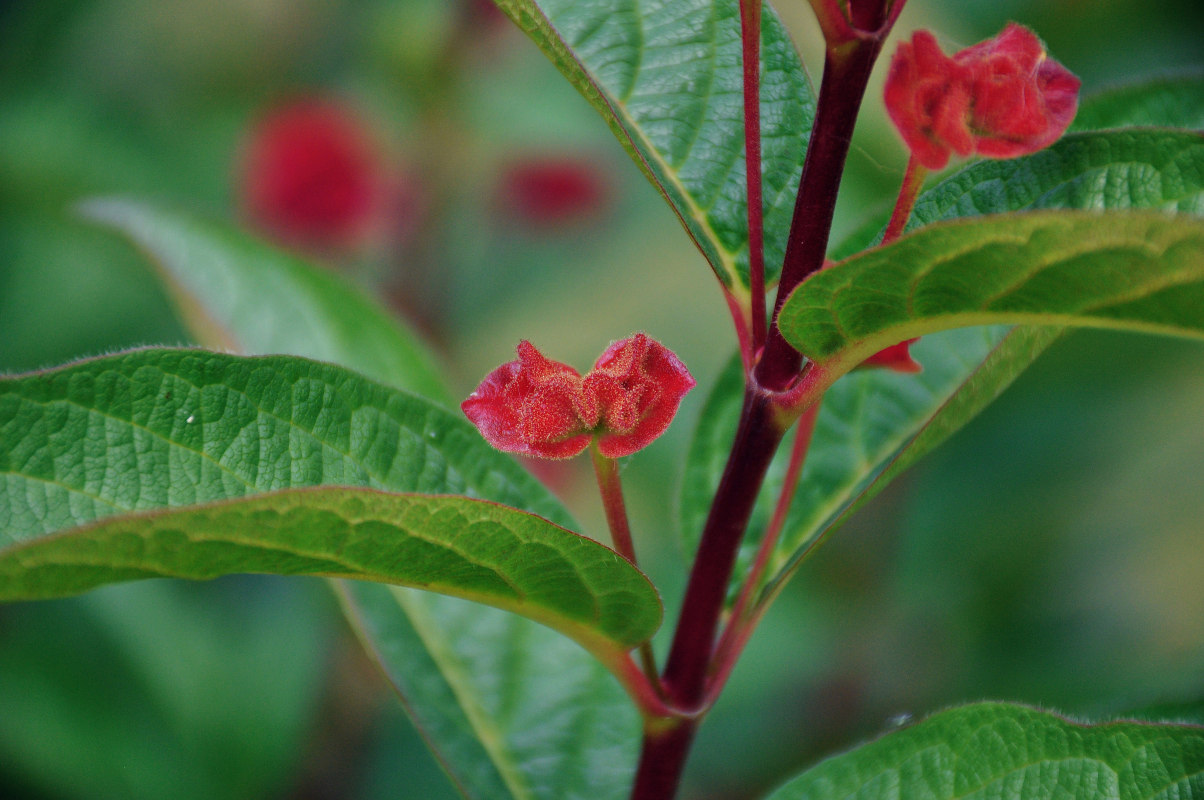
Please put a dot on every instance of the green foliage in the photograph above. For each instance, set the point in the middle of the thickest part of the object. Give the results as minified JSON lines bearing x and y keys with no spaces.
{"x":1173,"y":101}
{"x":452,"y":545}
{"x":512,"y":710}
{"x":873,"y":424}
{"x":463,"y":690}
{"x":167,"y":428}
{"x":666,"y":77}
{"x":1013,"y":753}
{"x":238,"y":293}
{"x":1129,"y":271}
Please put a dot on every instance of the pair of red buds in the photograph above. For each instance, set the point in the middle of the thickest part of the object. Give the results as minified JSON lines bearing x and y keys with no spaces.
{"x":1002,"y":98}
{"x":539,"y":407}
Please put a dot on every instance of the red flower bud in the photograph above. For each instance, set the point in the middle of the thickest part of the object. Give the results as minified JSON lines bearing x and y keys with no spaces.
{"x":310,"y":176}
{"x":1001,"y":98}
{"x":539,"y":407}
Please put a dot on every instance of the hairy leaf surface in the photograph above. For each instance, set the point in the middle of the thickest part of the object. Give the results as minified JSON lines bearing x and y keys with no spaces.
{"x":1129,"y":271}
{"x":1013,"y":752}
{"x":481,"y":551}
{"x":154,"y":429}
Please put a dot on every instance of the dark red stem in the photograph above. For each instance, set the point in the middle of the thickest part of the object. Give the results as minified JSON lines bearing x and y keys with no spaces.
{"x":690,"y":663}
{"x":750,"y":35}
{"x":686,"y":672}
{"x":662,"y":760}
{"x":845,"y":77}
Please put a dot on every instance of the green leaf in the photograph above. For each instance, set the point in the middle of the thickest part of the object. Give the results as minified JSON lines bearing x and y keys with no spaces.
{"x":1006,"y":751}
{"x":165,"y":428}
{"x":241,"y":294}
{"x":1129,"y":271}
{"x":873,"y":423}
{"x":513,"y":710}
{"x":1172,"y":101}
{"x":72,"y":450}
{"x":666,"y":76}
{"x":466,"y":548}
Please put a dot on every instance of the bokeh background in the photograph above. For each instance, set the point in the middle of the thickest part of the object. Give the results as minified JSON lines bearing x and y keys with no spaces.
{"x":1052,"y":553}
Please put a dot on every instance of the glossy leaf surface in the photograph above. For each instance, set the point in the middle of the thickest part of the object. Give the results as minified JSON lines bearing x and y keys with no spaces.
{"x":1129,"y":271}
{"x":240,"y":294}
{"x":1013,"y":752}
{"x":666,"y":76}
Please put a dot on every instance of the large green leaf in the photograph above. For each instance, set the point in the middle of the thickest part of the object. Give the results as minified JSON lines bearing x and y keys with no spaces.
{"x":1011,"y":752}
{"x":164,"y":428}
{"x":466,"y":548}
{"x":1129,"y":271}
{"x":666,"y":76}
{"x":874,"y":423}
{"x":1173,"y":101}
{"x":240,"y":294}
{"x":512,"y":710}
{"x":72,"y":450}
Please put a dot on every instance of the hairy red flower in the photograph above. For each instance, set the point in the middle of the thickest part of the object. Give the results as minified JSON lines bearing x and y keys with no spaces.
{"x":310,"y":176}
{"x":637,"y":384}
{"x":540,"y":407}
{"x":1001,"y":98}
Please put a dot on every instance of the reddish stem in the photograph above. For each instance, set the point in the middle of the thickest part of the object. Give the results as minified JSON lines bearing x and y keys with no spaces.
{"x":743,"y":332}
{"x":735,"y":636}
{"x":845,"y":77}
{"x":760,"y":429}
{"x":913,"y":181}
{"x":611,"y":489}
{"x":750,"y":36}
{"x":610,"y":486}
{"x":662,"y":759}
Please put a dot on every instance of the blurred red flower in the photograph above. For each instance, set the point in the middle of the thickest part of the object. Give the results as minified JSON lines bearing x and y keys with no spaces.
{"x":551,"y":191}
{"x":311,"y":177}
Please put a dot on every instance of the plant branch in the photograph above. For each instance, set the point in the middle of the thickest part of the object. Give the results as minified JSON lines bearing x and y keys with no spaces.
{"x":735,"y":636}
{"x":610,"y":486}
{"x":846,"y":74}
{"x":750,"y":35}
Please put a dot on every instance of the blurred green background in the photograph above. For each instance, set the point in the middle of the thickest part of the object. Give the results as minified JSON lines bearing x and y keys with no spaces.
{"x":1051,"y":553}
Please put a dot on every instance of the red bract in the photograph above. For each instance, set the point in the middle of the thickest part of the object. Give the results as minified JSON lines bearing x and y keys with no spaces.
{"x":311,"y":176}
{"x":897,"y":357}
{"x":539,"y":407}
{"x":1001,"y":98}
{"x":638,"y":383}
